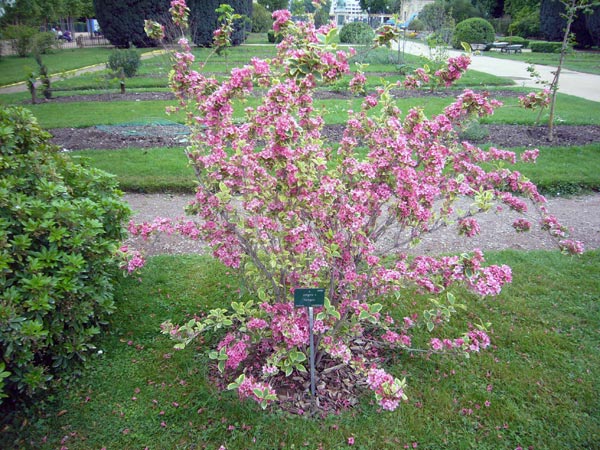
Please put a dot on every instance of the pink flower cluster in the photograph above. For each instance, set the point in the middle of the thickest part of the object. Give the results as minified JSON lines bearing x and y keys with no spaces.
{"x":236,"y":349}
{"x":521,"y":225}
{"x":132,"y":260}
{"x":454,"y":69}
{"x":249,"y":385}
{"x":535,"y":100}
{"x":389,"y":391}
{"x":473,"y":341}
{"x":445,"y":76}
{"x":469,"y":227}
{"x":179,"y":12}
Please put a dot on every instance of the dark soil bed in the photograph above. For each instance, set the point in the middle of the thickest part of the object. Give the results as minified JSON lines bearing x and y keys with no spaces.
{"x":145,"y":136}
{"x":503,"y":136}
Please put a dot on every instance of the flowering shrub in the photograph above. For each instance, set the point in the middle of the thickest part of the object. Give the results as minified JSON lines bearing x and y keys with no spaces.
{"x":289,"y":211}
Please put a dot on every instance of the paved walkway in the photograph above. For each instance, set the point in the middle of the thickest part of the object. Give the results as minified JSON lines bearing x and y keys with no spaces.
{"x":579,"y":84}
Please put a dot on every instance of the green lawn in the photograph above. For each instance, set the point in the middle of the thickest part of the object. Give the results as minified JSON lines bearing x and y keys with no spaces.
{"x":558,"y":170}
{"x":537,"y":388}
{"x":14,"y":69}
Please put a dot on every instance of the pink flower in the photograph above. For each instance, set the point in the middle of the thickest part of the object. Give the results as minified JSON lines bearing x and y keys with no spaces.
{"x":351,"y":440}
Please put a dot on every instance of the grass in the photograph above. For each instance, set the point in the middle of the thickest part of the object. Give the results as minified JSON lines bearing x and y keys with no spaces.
{"x":570,"y":111}
{"x":144,"y":170}
{"x":565,"y":170}
{"x":558,"y":170}
{"x":587,"y":62}
{"x":14,"y":69}
{"x":541,"y":380}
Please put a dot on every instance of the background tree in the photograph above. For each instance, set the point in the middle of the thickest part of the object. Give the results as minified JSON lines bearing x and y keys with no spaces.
{"x":375,"y":6}
{"x":261,"y":19}
{"x":204,"y":20}
{"x":434,"y":16}
{"x":273,"y":5}
{"x":122,"y":22}
{"x":554,"y":17}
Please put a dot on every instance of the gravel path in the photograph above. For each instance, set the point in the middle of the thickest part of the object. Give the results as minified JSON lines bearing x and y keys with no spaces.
{"x":582,"y":214}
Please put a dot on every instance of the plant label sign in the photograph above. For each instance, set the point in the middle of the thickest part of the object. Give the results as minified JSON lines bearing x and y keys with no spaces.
{"x":309,"y":297}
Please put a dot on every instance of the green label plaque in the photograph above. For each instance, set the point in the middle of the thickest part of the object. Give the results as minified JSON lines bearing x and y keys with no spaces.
{"x":309,"y":297}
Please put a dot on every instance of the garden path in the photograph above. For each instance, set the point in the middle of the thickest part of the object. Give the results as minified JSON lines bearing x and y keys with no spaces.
{"x":579,"y":84}
{"x":580,"y":213}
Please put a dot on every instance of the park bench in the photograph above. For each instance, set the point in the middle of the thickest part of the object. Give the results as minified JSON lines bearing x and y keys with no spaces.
{"x":514,"y":48}
{"x":479,"y":47}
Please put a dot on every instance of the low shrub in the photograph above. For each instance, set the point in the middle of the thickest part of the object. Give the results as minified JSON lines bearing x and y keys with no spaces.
{"x":21,"y":38}
{"x":545,"y":47}
{"x":60,"y":227}
{"x":273,"y":37}
{"x":356,"y":33}
{"x":416,"y":25}
{"x":44,"y":43}
{"x":473,"y":31}
{"x":127,"y":59}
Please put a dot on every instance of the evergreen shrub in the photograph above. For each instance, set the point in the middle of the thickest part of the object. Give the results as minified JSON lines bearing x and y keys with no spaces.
{"x":356,"y":33}
{"x":473,"y":31}
{"x":545,"y":47}
{"x":60,"y":228}
{"x":128,"y":60}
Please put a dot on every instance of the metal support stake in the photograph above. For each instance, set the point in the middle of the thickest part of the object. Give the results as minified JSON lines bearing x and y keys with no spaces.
{"x":312,"y":351}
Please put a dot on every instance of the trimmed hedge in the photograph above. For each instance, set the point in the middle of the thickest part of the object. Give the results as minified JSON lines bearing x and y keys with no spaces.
{"x":60,"y":228}
{"x":473,"y":31}
{"x":545,"y":47}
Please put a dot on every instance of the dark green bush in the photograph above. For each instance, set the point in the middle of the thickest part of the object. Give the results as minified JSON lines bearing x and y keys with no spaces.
{"x":473,"y":31}
{"x":518,"y":40}
{"x":21,"y":38}
{"x":416,"y":25}
{"x":273,"y":37}
{"x":128,"y":60}
{"x":261,"y":19}
{"x":60,"y":226}
{"x":545,"y":47}
{"x":526,"y":26}
{"x":356,"y":33}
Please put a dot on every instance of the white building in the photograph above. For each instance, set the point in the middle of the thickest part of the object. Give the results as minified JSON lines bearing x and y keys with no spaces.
{"x":347,"y":11}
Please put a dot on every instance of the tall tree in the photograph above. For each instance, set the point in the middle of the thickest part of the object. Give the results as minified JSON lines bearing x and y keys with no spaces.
{"x":375,"y":6}
{"x":122,"y":21}
{"x":274,"y":5}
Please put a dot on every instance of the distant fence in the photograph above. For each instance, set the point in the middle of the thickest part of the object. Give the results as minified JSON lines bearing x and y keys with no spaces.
{"x":80,"y":40}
